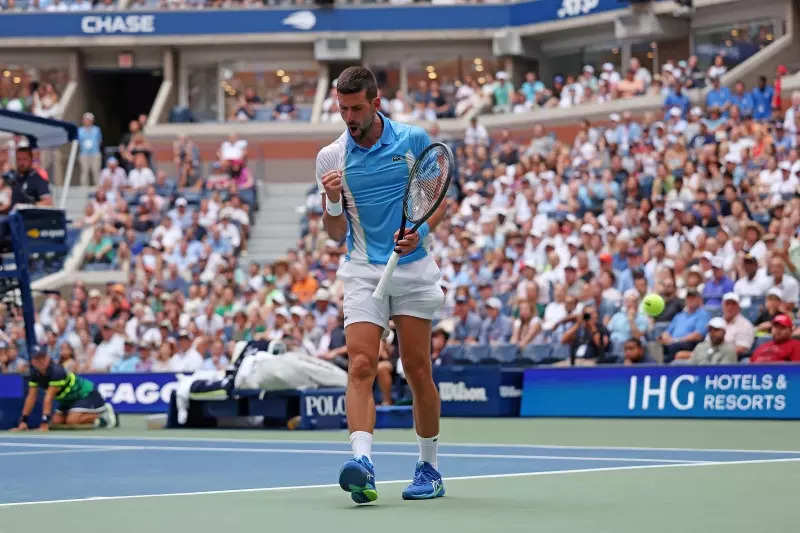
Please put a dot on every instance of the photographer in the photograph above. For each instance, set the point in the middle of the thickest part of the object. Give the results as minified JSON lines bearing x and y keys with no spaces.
{"x":588,"y":339}
{"x":27,"y":184}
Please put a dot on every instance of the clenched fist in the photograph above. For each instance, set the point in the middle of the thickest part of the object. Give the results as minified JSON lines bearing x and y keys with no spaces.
{"x":332,"y":182}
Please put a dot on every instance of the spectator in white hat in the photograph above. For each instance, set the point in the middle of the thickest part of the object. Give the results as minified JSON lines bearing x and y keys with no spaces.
{"x":714,"y":350}
{"x":322,"y":307}
{"x":738,"y":330}
{"x":497,"y":327}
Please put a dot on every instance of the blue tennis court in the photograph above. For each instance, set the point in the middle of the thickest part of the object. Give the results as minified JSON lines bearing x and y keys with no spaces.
{"x":54,"y":468}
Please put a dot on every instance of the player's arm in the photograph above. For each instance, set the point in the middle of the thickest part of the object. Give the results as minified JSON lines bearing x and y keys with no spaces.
{"x":335,"y":225}
{"x":27,"y":407}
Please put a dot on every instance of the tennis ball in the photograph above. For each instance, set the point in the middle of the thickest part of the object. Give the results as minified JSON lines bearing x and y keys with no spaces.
{"x":653,"y":304}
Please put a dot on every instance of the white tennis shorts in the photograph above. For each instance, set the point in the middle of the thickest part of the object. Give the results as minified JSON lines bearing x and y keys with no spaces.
{"x":414,"y":291}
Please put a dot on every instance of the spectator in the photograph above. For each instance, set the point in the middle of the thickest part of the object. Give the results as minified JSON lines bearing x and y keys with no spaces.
{"x":468,"y":325}
{"x":27,"y":184}
{"x":634,"y":352}
{"x":285,"y":109}
{"x":588,"y":339}
{"x":497,"y":328}
{"x":719,"y":285}
{"x":687,"y":328}
{"x":773,"y":306}
{"x":714,"y":350}
{"x":140,"y":177}
{"x":742,"y":100}
{"x":130,"y":360}
{"x":233,"y":149}
{"x":782,"y":347}
{"x":113,"y":176}
{"x":738,"y":330}
{"x":718,"y":97}
{"x":186,"y":358}
{"x":476,"y":134}
{"x":527,"y":328}
{"x":629,"y":322}
{"x":788,"y":285}
{"x":109,"y":351}
{"x":90,"y":159}
{"x":672,"y":304}
{"x":762,"y":96}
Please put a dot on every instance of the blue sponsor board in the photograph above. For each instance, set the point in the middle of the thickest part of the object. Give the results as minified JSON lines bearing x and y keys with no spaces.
{"x":136,"y":393}
{"x":478,"y":390}
{"x":769,"y":391}
{"x":12,"y":388}
{"x":350,"y":19}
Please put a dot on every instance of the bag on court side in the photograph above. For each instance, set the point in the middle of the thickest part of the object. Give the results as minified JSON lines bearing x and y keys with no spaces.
{"x":257,"y":365}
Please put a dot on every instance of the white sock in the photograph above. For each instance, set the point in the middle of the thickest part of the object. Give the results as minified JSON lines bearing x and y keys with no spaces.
{"x":428,"y":447}
{"x":361,"y":441}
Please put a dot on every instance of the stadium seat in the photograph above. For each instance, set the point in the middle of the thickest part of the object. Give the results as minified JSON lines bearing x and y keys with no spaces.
{"x":476,"y":353}
{"x":503,"y":353}
{"x":751,"y":313}
{"x":452,"y":353}
{"x":560,"y":352}
{"x":536,"y":354}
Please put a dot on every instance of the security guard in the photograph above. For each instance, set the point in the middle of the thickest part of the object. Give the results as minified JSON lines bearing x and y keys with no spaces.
{"x":79,"y":402}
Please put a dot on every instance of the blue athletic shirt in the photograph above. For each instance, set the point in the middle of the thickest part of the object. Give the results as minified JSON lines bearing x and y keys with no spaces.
{"x":373,"y":186}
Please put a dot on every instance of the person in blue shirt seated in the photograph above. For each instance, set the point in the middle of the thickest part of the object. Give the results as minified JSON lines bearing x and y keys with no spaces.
{"x":467,"y":326}
{"x":762,"y":99}
{"x":742,"y":100}
{"x":676,"y":98}
{"x":718,"y":96}
{"x":687,"y":328}
{"x":719,"y":284}
{"x":497,"y":327}
{"x":130,"y":358}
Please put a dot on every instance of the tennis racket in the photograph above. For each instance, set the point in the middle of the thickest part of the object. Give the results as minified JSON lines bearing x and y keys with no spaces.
{"x":426,"y":188}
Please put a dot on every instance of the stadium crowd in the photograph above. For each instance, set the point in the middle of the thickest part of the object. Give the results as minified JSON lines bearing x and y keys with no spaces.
{"x":431,"y":100}
{"x":547,"y":253}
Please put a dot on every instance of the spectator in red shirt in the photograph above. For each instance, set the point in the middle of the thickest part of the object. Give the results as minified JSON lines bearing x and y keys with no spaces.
{"x":782,"y":347}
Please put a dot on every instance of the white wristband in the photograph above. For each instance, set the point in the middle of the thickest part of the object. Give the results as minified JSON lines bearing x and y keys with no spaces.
{"x":334,"y":209}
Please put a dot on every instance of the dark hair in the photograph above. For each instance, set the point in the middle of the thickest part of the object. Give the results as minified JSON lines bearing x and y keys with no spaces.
{"x":356,"y":79}
{"x":636,"y":341}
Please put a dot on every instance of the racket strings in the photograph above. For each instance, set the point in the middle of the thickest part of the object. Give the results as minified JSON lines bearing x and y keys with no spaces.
{"x":425,"y":187}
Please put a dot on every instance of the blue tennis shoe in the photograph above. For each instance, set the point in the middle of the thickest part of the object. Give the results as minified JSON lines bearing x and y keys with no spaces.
{"x":357,"y":477}
{"x":427,"y":483}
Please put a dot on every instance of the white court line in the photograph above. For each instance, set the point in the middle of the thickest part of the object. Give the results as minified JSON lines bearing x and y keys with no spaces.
{"x":52,"y":452}
{"x":91,"y":447}
{"x":395,"y":481}
{"x":393,"y":443}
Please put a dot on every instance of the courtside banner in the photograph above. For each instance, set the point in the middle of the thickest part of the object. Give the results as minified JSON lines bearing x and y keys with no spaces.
{"x":136,"y":393}
{"x":12,"y":388}
{"x":478,"y":390}
{"x":756,"y":391}
{"x":255,"y":21}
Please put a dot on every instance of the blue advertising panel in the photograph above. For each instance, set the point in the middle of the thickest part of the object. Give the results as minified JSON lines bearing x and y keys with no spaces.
{"x":11,"y":397}
{"x":478,"y":390}
{"x":769,"y":391}
{"x":136,"y":393}
{"x":349,"y":19}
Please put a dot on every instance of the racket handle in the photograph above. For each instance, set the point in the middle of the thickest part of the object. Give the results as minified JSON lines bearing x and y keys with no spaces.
{"x":383,"y":283}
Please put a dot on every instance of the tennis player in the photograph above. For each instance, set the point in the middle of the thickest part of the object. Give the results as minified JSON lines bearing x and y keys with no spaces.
{"x":362,"y":197}
{"x":79,"y":403}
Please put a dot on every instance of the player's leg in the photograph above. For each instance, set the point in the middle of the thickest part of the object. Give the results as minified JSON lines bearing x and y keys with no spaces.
{"x":365,"y":319}
{"x":58,"y":418}
{"x":363,"y":342}
{"x":385,"y":381}
{"x":414,"y":335}
{"x":417,"y":298}
{"x":92,"y":410}
{"x":357,"y":475}
{"x":79,"y":418}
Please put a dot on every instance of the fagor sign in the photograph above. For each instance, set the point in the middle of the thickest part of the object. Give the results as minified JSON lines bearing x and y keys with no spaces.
{"x":136,"y":393}
{"x":702,"y":392}
{"x":109,"y":24}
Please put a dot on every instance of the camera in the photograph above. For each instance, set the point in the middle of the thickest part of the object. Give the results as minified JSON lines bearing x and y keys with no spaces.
{"x":587,"y":316}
